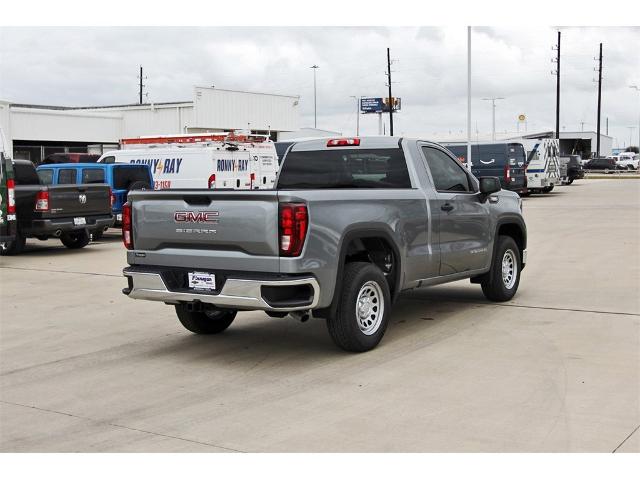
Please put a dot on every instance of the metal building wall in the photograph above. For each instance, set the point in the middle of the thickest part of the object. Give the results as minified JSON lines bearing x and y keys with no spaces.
{"x":215,"y":108}
{"x":156,"y":120}
{"x":63,"y":125}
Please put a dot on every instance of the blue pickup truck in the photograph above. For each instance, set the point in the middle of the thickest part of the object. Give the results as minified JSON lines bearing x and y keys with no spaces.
{"x":122,"y":178}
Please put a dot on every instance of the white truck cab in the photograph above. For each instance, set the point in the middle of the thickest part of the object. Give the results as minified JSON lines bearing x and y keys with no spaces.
{"x":213,"y":161}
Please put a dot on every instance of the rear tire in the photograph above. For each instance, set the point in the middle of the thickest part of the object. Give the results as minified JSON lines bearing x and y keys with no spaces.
{"x":363,"y":308}
{"x":76,"y":239}
{"x":13,"y":247}
{"x":213,"y":321}
{"x":501,"y":282}
{"x":548,"y":189}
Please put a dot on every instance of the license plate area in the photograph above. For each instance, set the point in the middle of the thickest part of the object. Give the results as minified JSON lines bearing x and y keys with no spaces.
{"x":80,"y":221}
{"x":201,"y":281}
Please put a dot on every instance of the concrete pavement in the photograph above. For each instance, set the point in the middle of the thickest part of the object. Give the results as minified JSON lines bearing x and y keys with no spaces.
{"x":83,"y":368}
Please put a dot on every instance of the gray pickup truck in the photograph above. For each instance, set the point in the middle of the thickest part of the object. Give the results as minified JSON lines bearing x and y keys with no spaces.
{"x":352,"y":223}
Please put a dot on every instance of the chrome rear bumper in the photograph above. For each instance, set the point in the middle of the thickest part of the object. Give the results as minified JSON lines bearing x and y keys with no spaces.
{"x":235,"y":293}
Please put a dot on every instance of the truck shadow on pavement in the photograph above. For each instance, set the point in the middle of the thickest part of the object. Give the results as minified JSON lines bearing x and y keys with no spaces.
{"x":418,"y":320}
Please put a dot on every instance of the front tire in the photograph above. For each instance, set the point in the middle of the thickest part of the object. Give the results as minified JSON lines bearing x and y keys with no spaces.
{"x":75,"y":240}
{"x":212,"y":321}
{"x":363,"y":308}
{"x":501,"y":282}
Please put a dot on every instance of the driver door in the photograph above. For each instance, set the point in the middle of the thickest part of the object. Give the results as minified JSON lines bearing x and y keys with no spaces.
{"x":462,"y":220}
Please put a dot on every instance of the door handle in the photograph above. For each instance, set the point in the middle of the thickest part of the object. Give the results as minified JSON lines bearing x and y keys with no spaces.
{"x":446,"y":207}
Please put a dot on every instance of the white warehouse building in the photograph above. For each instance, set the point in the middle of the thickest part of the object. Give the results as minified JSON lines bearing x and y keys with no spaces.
{"x":35,"y":131}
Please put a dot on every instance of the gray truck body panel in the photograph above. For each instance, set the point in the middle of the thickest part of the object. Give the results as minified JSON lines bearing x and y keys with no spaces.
{"x":432,"y":245}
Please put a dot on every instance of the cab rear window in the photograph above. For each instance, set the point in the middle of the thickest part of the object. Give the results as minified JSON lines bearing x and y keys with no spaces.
{"x":366,"y":168}
{"x":46,"y":177}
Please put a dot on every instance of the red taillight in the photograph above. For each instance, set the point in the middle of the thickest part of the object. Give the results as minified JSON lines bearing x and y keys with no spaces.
{"x":344,"y":142}
{"x":113,"y":197}
{"x":507,"y":173}
{"x":11,"y":197}
{"x":294,"y":221}
{"x":127,"y":233}
{"x":253,"y":177}
{"x":42,"y":201}
{"x":212,"y":181}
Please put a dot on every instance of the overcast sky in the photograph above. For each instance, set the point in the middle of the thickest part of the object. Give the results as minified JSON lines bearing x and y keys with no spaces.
{"x":75,"y":66}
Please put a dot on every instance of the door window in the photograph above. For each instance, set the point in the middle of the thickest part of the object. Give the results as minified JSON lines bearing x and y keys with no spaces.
{"x":447,"y":174}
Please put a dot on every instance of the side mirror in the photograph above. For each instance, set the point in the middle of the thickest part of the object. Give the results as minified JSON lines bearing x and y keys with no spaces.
{"x":489,"y":184}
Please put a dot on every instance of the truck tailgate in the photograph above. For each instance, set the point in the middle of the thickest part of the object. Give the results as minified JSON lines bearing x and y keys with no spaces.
{"x":78,"y":200}
{"x":239,"y":223}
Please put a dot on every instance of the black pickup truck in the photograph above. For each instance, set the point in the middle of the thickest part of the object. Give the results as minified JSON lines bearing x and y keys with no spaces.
{"x":68,"y":212}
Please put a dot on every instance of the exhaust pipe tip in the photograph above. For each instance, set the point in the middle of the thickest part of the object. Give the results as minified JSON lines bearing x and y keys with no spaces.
{"x":58,"y":233}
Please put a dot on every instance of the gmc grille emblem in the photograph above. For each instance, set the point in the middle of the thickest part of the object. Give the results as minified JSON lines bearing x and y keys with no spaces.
{"x":195,"y":216}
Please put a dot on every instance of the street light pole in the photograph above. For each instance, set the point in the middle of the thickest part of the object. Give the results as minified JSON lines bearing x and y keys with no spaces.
{"x":315,"y":103}
{"x":357,"y":114}
{"x":637,"y":88}
{"x":469,"y":98}
{"x":493,"y":104}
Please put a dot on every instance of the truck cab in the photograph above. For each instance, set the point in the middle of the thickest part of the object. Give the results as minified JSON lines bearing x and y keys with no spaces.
{"x":122,"y":178}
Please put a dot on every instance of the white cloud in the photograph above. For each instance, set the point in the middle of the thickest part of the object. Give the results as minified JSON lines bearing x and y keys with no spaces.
{"x":87,"y":66}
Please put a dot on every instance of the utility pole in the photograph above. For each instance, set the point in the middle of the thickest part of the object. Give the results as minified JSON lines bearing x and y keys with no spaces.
{"x":493,"y":103}
{"x":599,"y":100}
{"x":557,"y":74}
{"x":607,"y":127}
{"x":469,"y":98}
{"x":141,"y":85}
{"x":390,"y":96}
{"x":637,"y":89}
{"x":357,"y":114}
{"x":315,"y":104}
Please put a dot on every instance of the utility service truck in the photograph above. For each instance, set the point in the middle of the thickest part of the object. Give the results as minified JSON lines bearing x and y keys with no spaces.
{"x":208,"y":161}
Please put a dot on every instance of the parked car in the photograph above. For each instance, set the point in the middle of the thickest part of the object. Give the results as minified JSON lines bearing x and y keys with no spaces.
{"x":570,"y":169}
{"x":504,"y":160}
{"x":70,"y":158}
{"x":628,"y":161}
{"x":122,"y":178}
{"x":68,"y":212}
{"x":608,"y":165}
{"x":352,"y":223}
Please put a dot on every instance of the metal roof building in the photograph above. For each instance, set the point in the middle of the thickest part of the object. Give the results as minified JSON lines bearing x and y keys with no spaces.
{"x":36,"y":131}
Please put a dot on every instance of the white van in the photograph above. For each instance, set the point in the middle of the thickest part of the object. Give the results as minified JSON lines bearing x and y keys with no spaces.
{"x":543,"y":164}
{"x":202,"y":161}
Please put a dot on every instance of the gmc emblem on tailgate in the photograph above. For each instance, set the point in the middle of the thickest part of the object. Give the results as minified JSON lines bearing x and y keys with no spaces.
{"x":196,"y":216}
